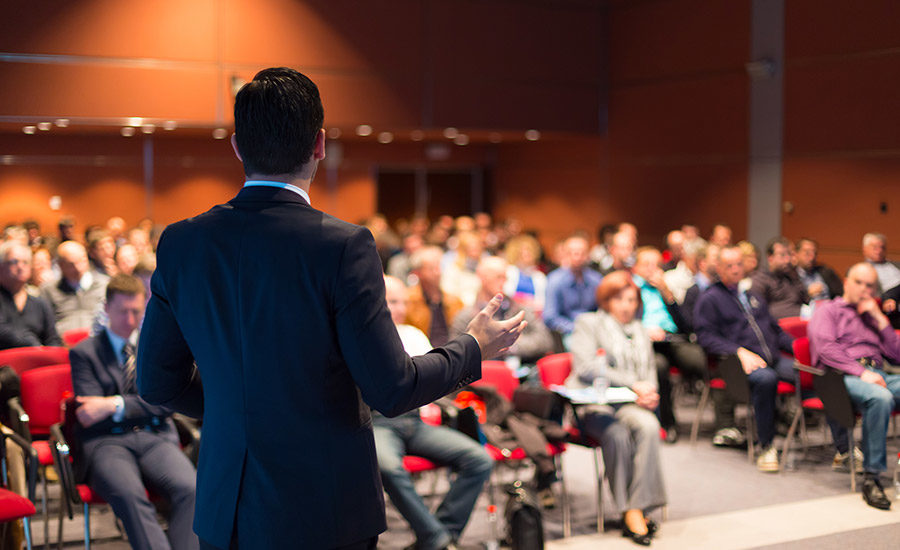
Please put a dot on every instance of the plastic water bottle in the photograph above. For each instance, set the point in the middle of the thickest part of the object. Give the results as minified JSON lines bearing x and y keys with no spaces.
{"x":601,"y":384}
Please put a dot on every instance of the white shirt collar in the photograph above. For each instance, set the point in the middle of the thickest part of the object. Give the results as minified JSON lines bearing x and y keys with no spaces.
{"x":281,"y":184}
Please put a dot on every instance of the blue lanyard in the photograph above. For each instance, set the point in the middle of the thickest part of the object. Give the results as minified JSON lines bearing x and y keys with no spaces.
{"x":279,"y":184}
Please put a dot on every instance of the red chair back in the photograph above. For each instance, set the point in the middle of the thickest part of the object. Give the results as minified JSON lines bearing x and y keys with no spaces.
{"x":498,"y":375}
{"x":23,"y":359}
{"x":43,"y":389}
{"x":554,"y":369}
{"x":795,"y":326}
{"x":72,"y":337}
{"x":802,"y":355}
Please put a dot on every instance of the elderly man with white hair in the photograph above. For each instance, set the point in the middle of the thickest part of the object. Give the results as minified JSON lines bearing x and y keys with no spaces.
{"x":25,"y":320}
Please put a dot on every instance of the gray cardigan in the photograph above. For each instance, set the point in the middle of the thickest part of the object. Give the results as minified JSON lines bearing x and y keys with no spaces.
{"x":625,"y":360}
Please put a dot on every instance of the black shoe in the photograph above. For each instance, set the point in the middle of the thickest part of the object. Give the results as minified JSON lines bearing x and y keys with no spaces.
{"x":652,"y":527}
{"x":873,"y":494}
{"x":671,"y":435}
{"x":643,"y":540}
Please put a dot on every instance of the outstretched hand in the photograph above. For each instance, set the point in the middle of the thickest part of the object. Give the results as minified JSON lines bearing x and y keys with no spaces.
{"x":495,"y":337}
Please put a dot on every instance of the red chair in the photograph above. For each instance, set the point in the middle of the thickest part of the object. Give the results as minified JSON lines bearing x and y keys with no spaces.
{"x":498,"y":375}
{"x":14,"y":506}
{"x":806,"y":374}
{"x":42,"y":391}
{"x":554,"y":370}
{"x":23,"y":359}
{"x":72,"y":337}
{"x":795,"y":326}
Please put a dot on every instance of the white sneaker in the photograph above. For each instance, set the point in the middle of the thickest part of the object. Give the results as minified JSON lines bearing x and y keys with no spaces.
{"x":841,"y":461}
{"x":767,"y":461}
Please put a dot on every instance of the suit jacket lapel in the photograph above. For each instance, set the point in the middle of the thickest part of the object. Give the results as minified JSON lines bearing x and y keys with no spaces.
{"x":110,"y":360}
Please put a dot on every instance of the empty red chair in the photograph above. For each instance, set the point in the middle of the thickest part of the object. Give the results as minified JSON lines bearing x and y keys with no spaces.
{"x":23,"y":359}
{"x":795,"y":326}
{"x":72,"y":337}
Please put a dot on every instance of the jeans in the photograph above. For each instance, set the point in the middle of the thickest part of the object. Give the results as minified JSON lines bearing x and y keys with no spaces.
{"x":763,"y":389}
{"x":876,"y":404}
{"x":407,"y":434}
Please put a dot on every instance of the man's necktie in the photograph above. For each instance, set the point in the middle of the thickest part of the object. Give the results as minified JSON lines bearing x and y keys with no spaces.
{"x":128,"y":363}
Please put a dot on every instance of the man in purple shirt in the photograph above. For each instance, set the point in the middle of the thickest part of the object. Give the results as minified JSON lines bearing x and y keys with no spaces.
{"x":853,"y":335}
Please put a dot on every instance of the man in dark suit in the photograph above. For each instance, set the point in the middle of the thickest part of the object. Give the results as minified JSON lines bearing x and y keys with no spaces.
{"x":126,"y":440}
{"x":282,"y":309}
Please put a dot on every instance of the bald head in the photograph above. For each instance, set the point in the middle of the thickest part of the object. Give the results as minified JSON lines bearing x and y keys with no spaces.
{"x":860,"y":283}
{"x":73,"y":260}
{"x":395,"y":296}
{"x":492,"y":272}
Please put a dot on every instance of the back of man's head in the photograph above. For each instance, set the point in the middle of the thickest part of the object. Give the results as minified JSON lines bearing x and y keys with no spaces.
{"x":276,"y":119}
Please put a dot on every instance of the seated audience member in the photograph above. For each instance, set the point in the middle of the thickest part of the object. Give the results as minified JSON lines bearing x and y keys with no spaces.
{"x":458,"y":275}
{"x":750,"y":260}
{"x":621,"y":252}
{"x":674,"y":249}
{"x":41,"y":269}
{"x":525,"y":284}
{"x":601,"y":259}
{"x":721,"y":235}
{"x":126,"y":258}
{"x":116,"y":227}
{"x":430,"y":309}
{"x":628,"y":433}
{"x":407,"y":434}
{"x":851,"y":334}
{"x":35,"y":239}
{"x":101,"y":249}
{"x":731,"y":321}
{"x":25,"y":320}
{"x":126,"y":441}
{"x":690,"y":232}
{"x":77,"y":295}
{"x":888,"y":289}
{"x":681,"y":277}
{"x":66,"y":228}
{"x":667,"y":330}
{"x":780,"y":286}
{"x":398,"y":265}
{"x":571,"y":289}
{"x":534,"y":342}
{"x":821,"y":282}
{"x":707,"y":258}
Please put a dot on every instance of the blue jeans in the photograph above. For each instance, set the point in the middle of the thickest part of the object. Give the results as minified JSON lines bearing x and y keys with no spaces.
{"x":408,"y":435}
{"x":763,"y":389}
{"x":876,"y":404}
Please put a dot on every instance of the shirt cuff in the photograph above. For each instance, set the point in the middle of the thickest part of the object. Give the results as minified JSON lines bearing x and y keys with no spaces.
{"x":119,"y":415}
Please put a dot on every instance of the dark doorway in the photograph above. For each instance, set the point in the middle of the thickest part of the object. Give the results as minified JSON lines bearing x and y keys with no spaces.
{"x":405,"y":192}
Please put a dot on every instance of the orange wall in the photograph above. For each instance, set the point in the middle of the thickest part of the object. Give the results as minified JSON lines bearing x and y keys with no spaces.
{"x":678,"y":111}
{"x":842,"y":146}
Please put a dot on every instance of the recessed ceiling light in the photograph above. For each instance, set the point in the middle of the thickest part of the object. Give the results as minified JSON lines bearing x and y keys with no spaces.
{"x":148,"y":128}
{"x":385,"y":137}
{"x":29,"y":129}
{"x":364,"y":130}
{"x":127,"y":131}
{"x":495,"y":137}
{"x":62,"y":122}
{"x":334,"y":133}
{"x":170,"y":125}
{"x":44,"y":126}
{"x":450,"y":132}
{"x":220,"y":133}
{"x":134,"y":121}
{"x":532,"y":135}
{"x":417,"y":135}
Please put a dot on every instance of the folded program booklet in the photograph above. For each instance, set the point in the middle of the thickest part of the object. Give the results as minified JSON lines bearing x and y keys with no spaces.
{"x":589,"y":395}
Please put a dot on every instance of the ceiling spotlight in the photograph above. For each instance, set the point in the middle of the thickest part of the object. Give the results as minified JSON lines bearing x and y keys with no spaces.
{"x":148,"y":128}
{"x":170,"y":125}
{"x":29,"y":129}
{"x":451,"y":132}
{"x":7,"y":159}
{"x":495,"y":137}
{"x":220,"y":133}
{"x":461,"y":139}
{"x":127,"y":131}
{"x":44,"y":126}
{"x":364,"y":130}
{"x":532,"y":135}
{"x":134,"y":121}
{"x":385,"y":137}
{"x":334,"y":133}
{"x":62,"y":122}
{"x":417,"y":135}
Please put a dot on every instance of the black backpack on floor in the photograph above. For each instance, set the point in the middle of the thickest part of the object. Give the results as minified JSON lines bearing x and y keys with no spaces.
{"x":524,"y":527}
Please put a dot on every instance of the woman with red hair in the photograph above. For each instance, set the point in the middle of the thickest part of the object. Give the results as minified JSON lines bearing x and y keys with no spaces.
{"x":610,"y":347}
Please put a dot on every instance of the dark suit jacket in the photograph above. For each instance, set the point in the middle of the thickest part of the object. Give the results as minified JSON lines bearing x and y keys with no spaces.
{"x":96,"y":371}
{"x":282,"y":308}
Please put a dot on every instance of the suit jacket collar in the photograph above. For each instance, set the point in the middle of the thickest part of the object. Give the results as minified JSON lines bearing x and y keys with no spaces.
{"x":267,"y":194}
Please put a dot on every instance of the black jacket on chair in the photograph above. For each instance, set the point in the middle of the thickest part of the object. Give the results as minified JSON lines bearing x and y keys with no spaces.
{"x":282,"y":308}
